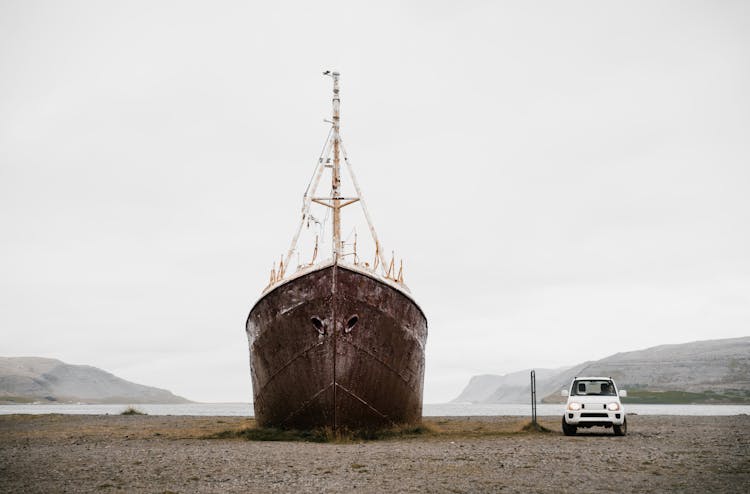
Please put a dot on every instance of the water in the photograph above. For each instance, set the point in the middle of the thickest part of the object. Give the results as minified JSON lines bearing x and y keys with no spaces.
{"x":430,"y":410}
{"x":461,"y":409}
{"x":206,"y":409}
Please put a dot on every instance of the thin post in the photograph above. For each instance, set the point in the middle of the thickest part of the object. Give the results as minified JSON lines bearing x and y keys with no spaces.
{"x":533,"y":397}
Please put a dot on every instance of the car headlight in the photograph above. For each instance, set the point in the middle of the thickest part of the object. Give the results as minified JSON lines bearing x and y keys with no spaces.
{"x":574,"y":406}
{"x":613,"y":407}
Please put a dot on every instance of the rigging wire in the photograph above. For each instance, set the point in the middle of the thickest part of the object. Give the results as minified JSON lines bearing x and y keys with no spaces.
{"x":320,"y":159}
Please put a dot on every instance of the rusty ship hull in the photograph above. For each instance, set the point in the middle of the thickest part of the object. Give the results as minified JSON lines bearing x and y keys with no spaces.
{"x":336,"y":347}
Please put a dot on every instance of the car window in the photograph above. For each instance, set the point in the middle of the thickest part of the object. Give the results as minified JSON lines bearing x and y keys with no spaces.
{"x":593,"y":388}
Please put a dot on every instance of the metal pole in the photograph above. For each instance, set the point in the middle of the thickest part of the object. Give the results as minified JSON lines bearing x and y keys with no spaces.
{"x":533,"y":397}
{"x":336,"y":175}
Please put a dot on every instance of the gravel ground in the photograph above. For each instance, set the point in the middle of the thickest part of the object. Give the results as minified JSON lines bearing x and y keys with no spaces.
{"x":156,"y":454}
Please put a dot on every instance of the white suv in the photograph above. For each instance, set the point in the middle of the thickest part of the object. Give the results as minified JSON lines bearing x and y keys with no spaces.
{"x":594,"y":401}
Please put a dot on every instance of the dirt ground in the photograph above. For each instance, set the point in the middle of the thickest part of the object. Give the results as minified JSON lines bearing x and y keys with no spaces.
{"x":157,"y":454}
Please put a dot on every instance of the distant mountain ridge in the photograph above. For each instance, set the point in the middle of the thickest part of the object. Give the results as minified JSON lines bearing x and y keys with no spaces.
{"x":510,"y":388}
{"x":30,"y":379}
{"x":702,"y":371}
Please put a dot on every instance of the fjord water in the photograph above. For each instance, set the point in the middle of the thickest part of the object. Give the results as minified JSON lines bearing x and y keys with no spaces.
{"x":430,"y":410}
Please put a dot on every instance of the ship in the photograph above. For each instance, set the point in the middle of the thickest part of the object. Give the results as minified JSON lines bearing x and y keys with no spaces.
{"x":339,"y":342}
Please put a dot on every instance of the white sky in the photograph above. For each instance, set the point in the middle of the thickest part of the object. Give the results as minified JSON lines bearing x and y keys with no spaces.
{"x":565,"y":180}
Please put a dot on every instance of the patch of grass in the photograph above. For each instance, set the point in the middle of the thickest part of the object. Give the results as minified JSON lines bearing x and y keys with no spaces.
{"x":131,"y":410}
{"x":535,"y":427}
{"x":454,"y":429}
{"x":466,"y":428}
{"x":273,"y":434}
{"x":321,"y":435}
{"x":396,"y":432}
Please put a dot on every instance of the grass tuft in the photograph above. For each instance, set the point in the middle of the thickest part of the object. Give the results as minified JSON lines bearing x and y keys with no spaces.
{"x":455,"y":429}
{"x":534,"y":427}
{"x":273,"y":434}
{"x":322,"y":435}
{"x":131,"y":410}
{"x":395,"y":432}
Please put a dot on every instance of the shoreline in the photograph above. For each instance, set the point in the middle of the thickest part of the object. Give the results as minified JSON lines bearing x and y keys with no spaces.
{"x":429,"y":410}
{"x":146,"y":453}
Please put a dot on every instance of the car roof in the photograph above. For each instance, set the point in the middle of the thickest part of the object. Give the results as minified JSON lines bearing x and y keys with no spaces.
{"x":587,"y":378}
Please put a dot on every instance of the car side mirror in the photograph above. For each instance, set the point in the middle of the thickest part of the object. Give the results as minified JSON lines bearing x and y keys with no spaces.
{"x":564,"y":392}
{"x":623,"y":393}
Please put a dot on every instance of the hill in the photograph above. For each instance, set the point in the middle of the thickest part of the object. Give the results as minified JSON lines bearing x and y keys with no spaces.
{"x":30,"y":379}
{"x":510,"y":388}
{"x":712,"y":371}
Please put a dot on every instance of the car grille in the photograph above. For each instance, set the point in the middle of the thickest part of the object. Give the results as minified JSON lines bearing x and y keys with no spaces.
{"x":592,"y":415}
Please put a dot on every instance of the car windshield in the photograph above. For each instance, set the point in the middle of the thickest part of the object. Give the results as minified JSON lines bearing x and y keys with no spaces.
{"x":593,"y":388}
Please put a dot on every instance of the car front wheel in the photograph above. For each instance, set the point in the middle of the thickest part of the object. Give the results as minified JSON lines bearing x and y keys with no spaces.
{"x":620,"y":430}
{"x":568,"y":430}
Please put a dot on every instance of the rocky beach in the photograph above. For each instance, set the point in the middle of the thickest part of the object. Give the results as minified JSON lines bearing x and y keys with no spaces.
{"x":169,"y":454}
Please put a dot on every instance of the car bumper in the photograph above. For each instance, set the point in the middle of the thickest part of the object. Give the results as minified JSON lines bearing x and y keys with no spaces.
{"x":599,"y":418}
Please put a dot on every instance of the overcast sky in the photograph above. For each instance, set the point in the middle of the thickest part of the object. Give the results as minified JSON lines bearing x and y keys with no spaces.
{"x":564,"y":180}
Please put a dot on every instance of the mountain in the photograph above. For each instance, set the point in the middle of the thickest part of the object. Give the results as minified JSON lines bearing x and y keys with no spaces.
{"x":510,"y":388}
{"x":713,"y":371}
{"x":29,"y":379}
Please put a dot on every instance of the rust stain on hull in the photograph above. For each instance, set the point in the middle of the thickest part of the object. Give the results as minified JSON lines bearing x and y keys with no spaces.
{"x":336,"y":348}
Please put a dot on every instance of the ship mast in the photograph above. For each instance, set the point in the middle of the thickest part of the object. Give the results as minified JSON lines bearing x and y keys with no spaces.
{"x":336,"y":173}
{"x":336,"y":202}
